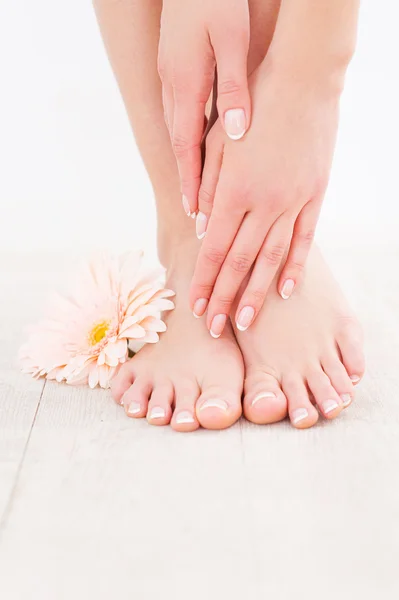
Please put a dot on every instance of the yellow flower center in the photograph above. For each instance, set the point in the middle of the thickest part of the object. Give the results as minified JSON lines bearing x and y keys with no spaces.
{"x":98,"y":332}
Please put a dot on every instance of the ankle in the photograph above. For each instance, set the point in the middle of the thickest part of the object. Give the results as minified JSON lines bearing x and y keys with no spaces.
{"x":177,"y":243}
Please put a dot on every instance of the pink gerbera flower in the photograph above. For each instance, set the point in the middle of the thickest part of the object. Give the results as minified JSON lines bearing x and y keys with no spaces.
{"x":87,"y":334}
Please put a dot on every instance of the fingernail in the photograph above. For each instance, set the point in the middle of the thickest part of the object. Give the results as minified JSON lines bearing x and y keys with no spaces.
{"x":298,"y":415}
{"x":329,"y":406}
{"x":186,"y":206}
{"x":245,"y":318}
{"x":200,"y":225}
{"x":354,"y":379}
{"x":263,"y":395}
{"x":346,"y":399}
{"x":134,"y":408}
{"x":193,"y":215}
{"x":235,"y":123}
{"x":287,"y":288}
{"x":215,"y":403}
{"x":157,"y":413}
{"x":184,"y":417}
{"x":200,"y":307}
{"x":217,"y":325}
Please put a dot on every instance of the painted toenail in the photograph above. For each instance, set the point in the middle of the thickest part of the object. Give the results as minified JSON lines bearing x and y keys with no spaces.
{"x":329,"y":406}
{"x":157,"y":413}
{"x":287,"y":289}
{"x":245,"y":318}
{"x":298,"y":415}
{"x":261,"y":396}
{"x":354,"y":379}
{"x":200,"y":307}
{"x":346,"y":399}
{"x":200,"y":225}
{"x":217,"y":325}
{"x":214,"y":403}
{"x":134,"y":408}
{"x":186,"y":206}
{"x":184,"y":417}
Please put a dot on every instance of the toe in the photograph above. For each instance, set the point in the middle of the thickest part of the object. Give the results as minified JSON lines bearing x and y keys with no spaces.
{"x":217,"y":408}
{"x":122,"y":381}
{"x":160,"y":405}
{"x":135,"y":399}
{"x":264,"y":401}
{"x":301,"y":411}
{"x":327,"y":399}
{"x":350,"y":342}
{"x":340,"y":380}
{"x":184,"y":417}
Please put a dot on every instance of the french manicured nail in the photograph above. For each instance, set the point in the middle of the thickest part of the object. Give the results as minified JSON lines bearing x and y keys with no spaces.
{"x":184,"y":417}
{"x":217,"y":325}
{"x":200,"y":307}
{"x":200,"y":225}
{"x":354,"y":379}
{"x":263,"y":396}
{"x":134,"y":408}
{"x":186,"y":206}
{"x":235,"y":123}
{"x":215,"y":403}
{"x":287,"y":288}
{"x":346,"y":399}
{"x":298,"y":415}
{"x":193,"y":215}
{"x":329,"y":406}
{"x":157,"y":413}
{"x":245,"y":317}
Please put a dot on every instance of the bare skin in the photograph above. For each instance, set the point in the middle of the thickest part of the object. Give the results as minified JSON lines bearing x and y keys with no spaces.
{"x":190,"y":379}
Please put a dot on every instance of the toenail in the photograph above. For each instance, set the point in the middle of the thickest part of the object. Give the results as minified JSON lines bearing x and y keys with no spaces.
{"x":217,"y":325}
{"x":245,"y":318}
{"x":157,"y":413}
{"x":329,"y":406}
{"x":298,"y":415}
{"x":214,"y":403}
{"x":200,"y":307}
{"x":134,"y":408}
{"x":346,"y":399}
{"x":355,"y":379}
{"x":184,"y":417}
{"x":287,"y":289}
{"x":186,"y":206}
{"x":261,"y":396}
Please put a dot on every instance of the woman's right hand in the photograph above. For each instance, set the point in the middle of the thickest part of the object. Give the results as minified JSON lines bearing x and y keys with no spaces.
{"x":197,"y":36}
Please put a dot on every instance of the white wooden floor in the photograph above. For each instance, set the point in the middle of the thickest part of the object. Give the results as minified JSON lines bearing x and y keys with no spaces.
{"x":97,"y":506}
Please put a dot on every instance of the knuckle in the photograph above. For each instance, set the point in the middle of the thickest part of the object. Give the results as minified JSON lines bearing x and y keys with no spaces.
{"x":306,"y":237}
{"x":240,"y":263}
{"x":205,"y":197}
{"x":274,"y":254}
{"x":181,"y":145}
{"x":228,"y":87}
{"x":224,"y":301}
{"x":214,"y":257}
{"x":258,"y":296}
{"x":275,"y":200}
{"x":295,"y":265}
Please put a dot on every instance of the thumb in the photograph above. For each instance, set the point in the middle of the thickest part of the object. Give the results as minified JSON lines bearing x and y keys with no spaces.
{"x":233,"y":100}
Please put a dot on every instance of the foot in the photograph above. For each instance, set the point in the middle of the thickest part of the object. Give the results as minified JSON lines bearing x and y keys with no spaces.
{"x":187,"y":379}
{"x":302,"y":353}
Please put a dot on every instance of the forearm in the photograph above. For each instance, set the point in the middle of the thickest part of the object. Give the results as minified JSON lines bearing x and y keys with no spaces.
{"x":315,"y":39}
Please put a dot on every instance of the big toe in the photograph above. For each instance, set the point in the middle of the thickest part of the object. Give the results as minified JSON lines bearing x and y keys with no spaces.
{"x":264,"y":400}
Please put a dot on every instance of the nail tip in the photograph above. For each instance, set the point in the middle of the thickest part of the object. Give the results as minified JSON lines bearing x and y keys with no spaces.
{"x":241,"y":328}
{"x":236,"y":136}
{"x":215,"y":335}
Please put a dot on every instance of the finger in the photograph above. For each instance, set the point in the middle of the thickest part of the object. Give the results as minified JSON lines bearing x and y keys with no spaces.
{"x":301,"y":242}
{"x":235,"y":268}
{"x":168,"y":106}
{"x":231,"y":52}
{"x":188,"y":128}
{"x":265,"y":269}
{"x":222,"y":229}
{"x":209,"y":181}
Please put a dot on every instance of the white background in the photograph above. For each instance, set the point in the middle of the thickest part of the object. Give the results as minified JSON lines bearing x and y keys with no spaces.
{"x":72,"y":179}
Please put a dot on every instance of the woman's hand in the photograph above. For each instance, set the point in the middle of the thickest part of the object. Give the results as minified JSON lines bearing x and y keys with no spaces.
{"x":260,"y":198}
{"x":197,"y":36}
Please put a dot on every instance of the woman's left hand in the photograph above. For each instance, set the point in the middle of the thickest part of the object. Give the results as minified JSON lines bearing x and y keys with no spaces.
{"x":260,"y":198}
